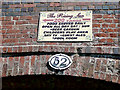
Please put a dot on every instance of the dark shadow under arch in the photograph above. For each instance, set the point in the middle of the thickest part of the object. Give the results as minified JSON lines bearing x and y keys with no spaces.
{"x":56,"y":82}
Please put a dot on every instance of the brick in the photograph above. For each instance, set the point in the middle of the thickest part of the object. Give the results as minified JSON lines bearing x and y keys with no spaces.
{"x":101,"y":35}
{"x":26,"y":68}
{"x":21,"y":22}
{"x":103,"y":68}
{"x":15,"y":18}
{"x":105,"y":7}
{"x":112,"y":25}
{"x":91,"y":7}
{"x":117,"y":11}
{"x":97,"y":67}
{"x":23,"y":9}
{"x":97,"y":16}
{"x":42,"y":5}
{"x":96,"y":25}
{"x":112,"y":7}
{"x":57,"y":8}
{"x":90,"y":71}
{"x":108,"y":16}
{"x":16,"y":6}
{"x":116,"y":20}
{"x":5,"y":6}
{"x":102,"y":76}
{"x":116,"y":50}
{"x":4,"y":70}
{"x":7,"y":22}
{"x":105,"y":25}
{"x":113,"y":35}
{"x":50,"y":8}
{"x":98,"y":7}
{"x":25,"y":17}
{"x":6,"y":19}
{"x":110,"y":12}
{"x":88,"y":50}
{"x":43,"y":9}
{"x":118,"y":80}
{"x":33,"y":21}
{"x":29,"y":5}
{"x":102,"y":40}
{"x":118,"y":25}
{"x":32,"y":61}
{"x":52,"y":4}
{"x":5,"y":50}
{"x":116,"y":30}
{"x":77,"y":8}
{"x":13,"y":31}
{"x":110,"y":30}
{"x":9,"y":49}
{"x":10,"y":40}
{"x":4,"y":10}
{"x":10,"y":10}
{"x":84,"y":7}
{"x":114,"y":78}
{"x":109,"y":40}
{"x":21,"y":64}
{"x":108,"y":77}
{"x":108,"y":20}
{"x":96,"y":75}
{"x":30,"y":9}
{"x":17,"y":10}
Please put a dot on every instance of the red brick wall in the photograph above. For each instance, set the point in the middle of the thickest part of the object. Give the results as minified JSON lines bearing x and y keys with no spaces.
{"x":19,"y":36}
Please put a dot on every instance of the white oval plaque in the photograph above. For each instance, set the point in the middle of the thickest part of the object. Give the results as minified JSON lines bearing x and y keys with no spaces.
{"x":60,"y":61}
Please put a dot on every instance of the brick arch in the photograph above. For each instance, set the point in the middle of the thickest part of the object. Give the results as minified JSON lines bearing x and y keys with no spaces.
{"x":97,"y":66}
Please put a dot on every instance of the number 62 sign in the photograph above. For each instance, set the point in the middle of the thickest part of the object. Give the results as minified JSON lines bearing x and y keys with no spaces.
{"x":60,"y":61}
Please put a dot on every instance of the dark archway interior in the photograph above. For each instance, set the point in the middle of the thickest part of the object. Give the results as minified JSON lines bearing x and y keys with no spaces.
{"x":56,"y":82}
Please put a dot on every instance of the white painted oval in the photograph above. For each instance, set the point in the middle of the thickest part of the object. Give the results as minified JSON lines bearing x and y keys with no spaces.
{"x":60,"y":61}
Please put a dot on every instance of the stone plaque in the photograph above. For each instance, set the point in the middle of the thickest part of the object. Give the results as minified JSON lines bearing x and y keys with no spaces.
{"x":65,"y":26}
